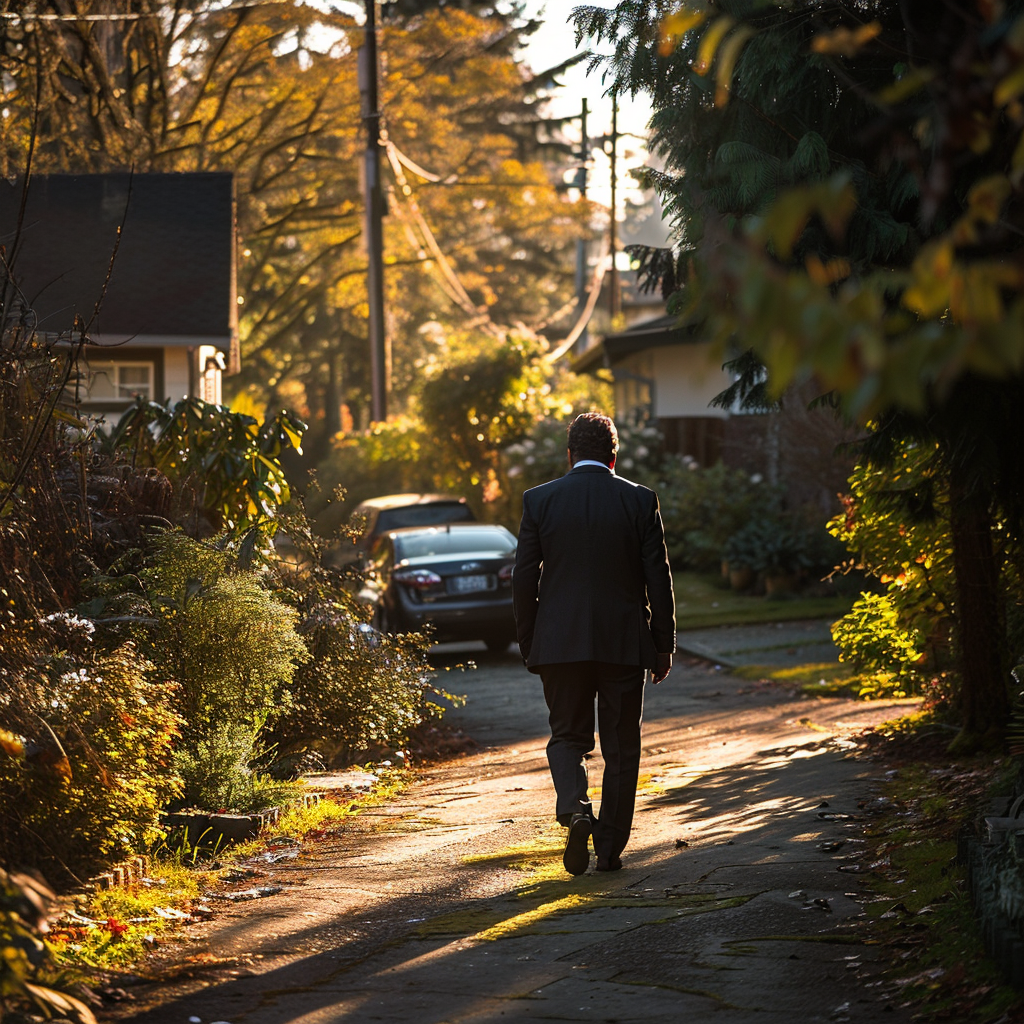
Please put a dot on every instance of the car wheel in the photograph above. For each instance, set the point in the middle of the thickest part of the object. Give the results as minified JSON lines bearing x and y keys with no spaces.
{"x":381,"y":620}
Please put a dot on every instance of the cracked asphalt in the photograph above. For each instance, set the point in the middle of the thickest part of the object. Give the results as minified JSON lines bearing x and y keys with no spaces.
{"x":738,"y":900}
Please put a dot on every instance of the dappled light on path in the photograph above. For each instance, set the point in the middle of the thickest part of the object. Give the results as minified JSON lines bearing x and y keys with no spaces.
{"x":450,"y":903}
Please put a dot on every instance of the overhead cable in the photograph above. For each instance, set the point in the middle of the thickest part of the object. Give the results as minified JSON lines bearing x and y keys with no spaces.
{"x":419,"y":171}
{"x":603,"y":266}
{"x":134,"y":15}
{"x":461,"y":296}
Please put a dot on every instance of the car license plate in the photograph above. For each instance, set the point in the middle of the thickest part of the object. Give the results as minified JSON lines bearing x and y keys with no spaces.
{"x":468,"y":584}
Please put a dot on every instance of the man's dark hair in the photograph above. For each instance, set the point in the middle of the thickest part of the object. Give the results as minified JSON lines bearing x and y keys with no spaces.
{"x":593,"y":436}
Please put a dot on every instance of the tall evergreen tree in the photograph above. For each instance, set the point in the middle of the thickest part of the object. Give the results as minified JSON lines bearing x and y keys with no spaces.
{"x":845,"y":181}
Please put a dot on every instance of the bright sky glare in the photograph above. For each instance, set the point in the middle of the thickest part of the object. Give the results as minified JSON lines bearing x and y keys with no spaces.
{"x":554,"y":43}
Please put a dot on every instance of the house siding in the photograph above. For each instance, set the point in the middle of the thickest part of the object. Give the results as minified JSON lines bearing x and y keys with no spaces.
{"x":687,"y":377}
{"x":175,"y":373}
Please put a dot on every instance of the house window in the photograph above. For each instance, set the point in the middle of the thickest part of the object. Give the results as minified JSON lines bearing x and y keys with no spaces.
{"x":118,"y":381}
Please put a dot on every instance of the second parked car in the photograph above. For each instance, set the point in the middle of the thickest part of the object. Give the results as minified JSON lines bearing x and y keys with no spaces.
{"x":457,"y":578}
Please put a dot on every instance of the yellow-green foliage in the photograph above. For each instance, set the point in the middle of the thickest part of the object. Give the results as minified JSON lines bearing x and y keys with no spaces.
{"x":227,"y":644}
{"x":896,"y":524}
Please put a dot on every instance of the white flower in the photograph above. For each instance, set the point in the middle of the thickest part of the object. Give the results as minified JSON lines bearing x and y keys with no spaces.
{"x":756,"y":478}
{"x":69,"y":622}
{"x":642,"y":452}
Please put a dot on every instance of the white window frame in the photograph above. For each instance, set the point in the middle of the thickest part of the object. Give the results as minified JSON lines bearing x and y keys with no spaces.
{"x":113,"y":367}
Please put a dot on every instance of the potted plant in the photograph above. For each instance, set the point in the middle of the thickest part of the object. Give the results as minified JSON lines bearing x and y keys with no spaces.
{"x":784,"y":556}
{"x":742,"y":554}
{"x":771,"y":546}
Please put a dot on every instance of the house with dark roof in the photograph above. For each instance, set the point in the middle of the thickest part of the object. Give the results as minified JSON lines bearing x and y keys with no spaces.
{"x":665,"y":372}
{"x":146,"y":261}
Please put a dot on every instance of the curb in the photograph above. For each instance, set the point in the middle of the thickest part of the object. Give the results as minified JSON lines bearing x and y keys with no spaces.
{"x":206,"y":828}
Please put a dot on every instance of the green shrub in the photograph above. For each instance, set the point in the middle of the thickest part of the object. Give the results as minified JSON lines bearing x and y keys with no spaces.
{"x":224,"y":466}
{"x":774,"y":545}
{"x":360,"y":691}
{"x":227,"y":643}
{"x":895,"y":524}
{"x":703,"y":508}
{"x":219,"y":772}
{"x":876,"y":644}
{"x":85,"y":767}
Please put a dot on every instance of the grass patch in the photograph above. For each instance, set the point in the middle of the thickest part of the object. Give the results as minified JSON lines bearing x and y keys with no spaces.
{"x":115,"y":928}
{"x":703,"y":599}
{"x":301,"y":821}
{"x":815,"y":679}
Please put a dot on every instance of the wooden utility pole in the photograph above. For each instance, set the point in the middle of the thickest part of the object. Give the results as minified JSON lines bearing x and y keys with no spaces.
{"x":581,"y":243}
{"x":614,"y":299}
{"x":373,"y":196}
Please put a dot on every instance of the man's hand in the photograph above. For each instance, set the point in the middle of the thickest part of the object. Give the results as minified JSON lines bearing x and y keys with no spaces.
{"x":662,"y":669}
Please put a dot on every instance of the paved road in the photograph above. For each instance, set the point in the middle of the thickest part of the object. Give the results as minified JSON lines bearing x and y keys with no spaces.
{"x":449,"y":905}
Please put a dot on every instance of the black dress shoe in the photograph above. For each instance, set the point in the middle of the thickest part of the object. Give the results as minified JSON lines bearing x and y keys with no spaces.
{"x":576,"y":858}
{"x":609,"y":864}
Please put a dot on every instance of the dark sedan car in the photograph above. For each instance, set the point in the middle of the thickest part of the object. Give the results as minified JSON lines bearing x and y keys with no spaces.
{"x":457,"y":577}
{"x":375,"y":517}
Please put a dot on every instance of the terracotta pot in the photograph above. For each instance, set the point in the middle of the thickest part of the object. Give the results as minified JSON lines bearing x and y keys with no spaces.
{"x":780,"y":583}
{"x":741,"y":578}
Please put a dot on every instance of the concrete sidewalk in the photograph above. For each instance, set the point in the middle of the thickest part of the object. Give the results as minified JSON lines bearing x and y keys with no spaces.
{"x":806,"y":641}
{"x":738,"y":901}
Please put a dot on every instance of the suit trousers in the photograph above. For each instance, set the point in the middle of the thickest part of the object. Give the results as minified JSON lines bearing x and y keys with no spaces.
{"x":570,"y":690}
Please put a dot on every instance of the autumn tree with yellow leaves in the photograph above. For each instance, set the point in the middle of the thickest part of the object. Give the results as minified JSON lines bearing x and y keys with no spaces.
{"x":478,"y":236}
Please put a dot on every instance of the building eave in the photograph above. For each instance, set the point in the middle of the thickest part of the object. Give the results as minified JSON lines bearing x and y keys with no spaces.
{"x":656,"y":333}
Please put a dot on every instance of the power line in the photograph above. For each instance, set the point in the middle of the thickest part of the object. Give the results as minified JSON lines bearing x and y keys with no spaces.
{"x":137,"y":15}
{"x":584,"y":317}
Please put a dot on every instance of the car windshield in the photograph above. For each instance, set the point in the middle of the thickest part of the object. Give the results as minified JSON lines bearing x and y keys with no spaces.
{"x":433,"y":514}
{"x":456,"y":542}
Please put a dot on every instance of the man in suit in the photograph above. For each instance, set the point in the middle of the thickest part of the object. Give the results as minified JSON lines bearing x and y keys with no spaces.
{"x":594,"y":613}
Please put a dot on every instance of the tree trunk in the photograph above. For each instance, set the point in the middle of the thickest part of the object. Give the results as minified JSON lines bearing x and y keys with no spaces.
{"x":984,"y":696}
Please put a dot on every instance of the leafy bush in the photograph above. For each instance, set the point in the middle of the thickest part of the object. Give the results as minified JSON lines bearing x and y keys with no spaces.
{"x":224,"y":465}
{"x":359,"y":690}
{"x":85,"y":764}
{"x":774,"y":545}
{"x":219,"y":771}
{"x":228,"y":644}
{"x":703,"y":507}
{"x":895,"y":523}
{"x":873,"y":641}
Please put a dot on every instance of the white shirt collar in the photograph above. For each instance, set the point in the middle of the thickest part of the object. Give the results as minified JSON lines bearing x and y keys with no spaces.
{"x":593,"y":462}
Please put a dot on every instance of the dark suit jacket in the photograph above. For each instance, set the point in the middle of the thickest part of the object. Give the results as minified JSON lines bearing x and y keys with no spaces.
{"x":592,"y":580}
